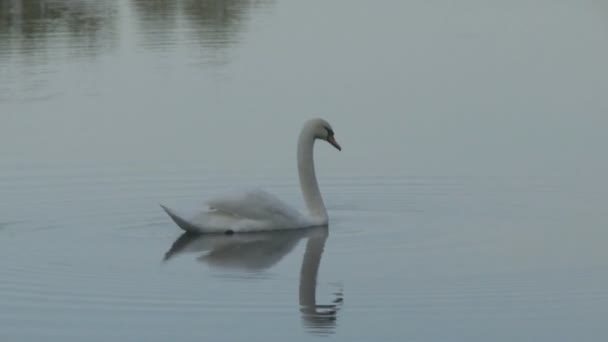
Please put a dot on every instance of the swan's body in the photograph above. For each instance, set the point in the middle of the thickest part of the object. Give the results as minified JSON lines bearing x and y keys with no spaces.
{"x":258,"y":210}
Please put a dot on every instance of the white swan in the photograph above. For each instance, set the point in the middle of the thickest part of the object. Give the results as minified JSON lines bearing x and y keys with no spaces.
{"x":258,"y":210}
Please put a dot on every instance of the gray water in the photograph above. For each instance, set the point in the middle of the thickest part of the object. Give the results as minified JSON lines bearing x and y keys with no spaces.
{"x":468,"y":203}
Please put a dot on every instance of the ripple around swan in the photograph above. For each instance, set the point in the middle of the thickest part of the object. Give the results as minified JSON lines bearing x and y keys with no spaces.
{"x":104,"y":273}
{"x":50,"y":286}
{"x":89,"y":245}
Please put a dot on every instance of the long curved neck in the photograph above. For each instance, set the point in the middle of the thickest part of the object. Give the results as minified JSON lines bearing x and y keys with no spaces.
{"x":308,"y":179}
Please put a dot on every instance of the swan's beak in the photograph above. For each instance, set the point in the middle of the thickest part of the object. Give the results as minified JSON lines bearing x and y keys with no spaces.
{"x":333,"y":142}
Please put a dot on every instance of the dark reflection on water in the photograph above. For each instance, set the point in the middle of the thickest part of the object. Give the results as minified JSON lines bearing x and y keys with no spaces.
{"x":37,"y":36}
{"x":157,"y":21}
{"x":217,"y":21}
{"x":91,"y":27}
{"x":213,"y":23}
{"x":318,"y":318}
{"x":255,"y":252}
{"x":35,"y":26}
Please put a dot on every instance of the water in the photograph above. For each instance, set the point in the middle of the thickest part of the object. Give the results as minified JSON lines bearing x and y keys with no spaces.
{"x":468,"y":203}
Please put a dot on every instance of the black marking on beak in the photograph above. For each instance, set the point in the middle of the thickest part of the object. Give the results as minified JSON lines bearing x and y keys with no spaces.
{"x":330,"y":139}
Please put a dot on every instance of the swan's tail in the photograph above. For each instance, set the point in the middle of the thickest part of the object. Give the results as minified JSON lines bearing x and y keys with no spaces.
{"x":181,"y":222}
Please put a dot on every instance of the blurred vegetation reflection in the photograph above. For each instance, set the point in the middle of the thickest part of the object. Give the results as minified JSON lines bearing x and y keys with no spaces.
{"x":212,"y":25}
{"x":87,"y":26}
{"x":39,"y":26}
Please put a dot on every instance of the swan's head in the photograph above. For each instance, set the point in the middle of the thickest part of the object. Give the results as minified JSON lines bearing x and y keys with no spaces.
{"x":321,"y":129}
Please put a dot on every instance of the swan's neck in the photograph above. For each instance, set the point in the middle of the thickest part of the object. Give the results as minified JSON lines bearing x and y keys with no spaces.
{"x":308,"y":179}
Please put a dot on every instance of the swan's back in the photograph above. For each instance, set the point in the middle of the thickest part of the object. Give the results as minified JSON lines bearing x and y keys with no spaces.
{"x":249,"y":211}
{"x":255,"y":204}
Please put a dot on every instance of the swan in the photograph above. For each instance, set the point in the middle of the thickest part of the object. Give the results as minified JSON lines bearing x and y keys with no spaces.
{"x":258,"y":210}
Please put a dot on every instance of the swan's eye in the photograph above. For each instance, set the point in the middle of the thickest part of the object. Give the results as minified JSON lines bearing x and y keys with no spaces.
{"x":330,"y":132}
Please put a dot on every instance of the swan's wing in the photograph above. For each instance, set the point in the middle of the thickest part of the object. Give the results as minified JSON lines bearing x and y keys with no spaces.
{"x":183,"y":223}
{"x":215,"y":221}
{"x":249,"y":211}
{"x":254,"y":205}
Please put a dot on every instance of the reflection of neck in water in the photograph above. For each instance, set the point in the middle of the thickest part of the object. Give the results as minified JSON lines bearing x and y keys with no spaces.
{"x":319,"y":318}
{"x":256,"y":252}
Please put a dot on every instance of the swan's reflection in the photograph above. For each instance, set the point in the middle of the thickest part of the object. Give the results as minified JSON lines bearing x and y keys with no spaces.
{"x":316,"y":317}
{"x":259,"y":251}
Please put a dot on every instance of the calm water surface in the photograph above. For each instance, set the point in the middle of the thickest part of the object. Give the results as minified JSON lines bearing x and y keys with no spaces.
{"x":469,"y":202}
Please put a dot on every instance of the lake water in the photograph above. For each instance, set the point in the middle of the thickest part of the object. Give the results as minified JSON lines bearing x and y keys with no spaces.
{"x":469,"y":202}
